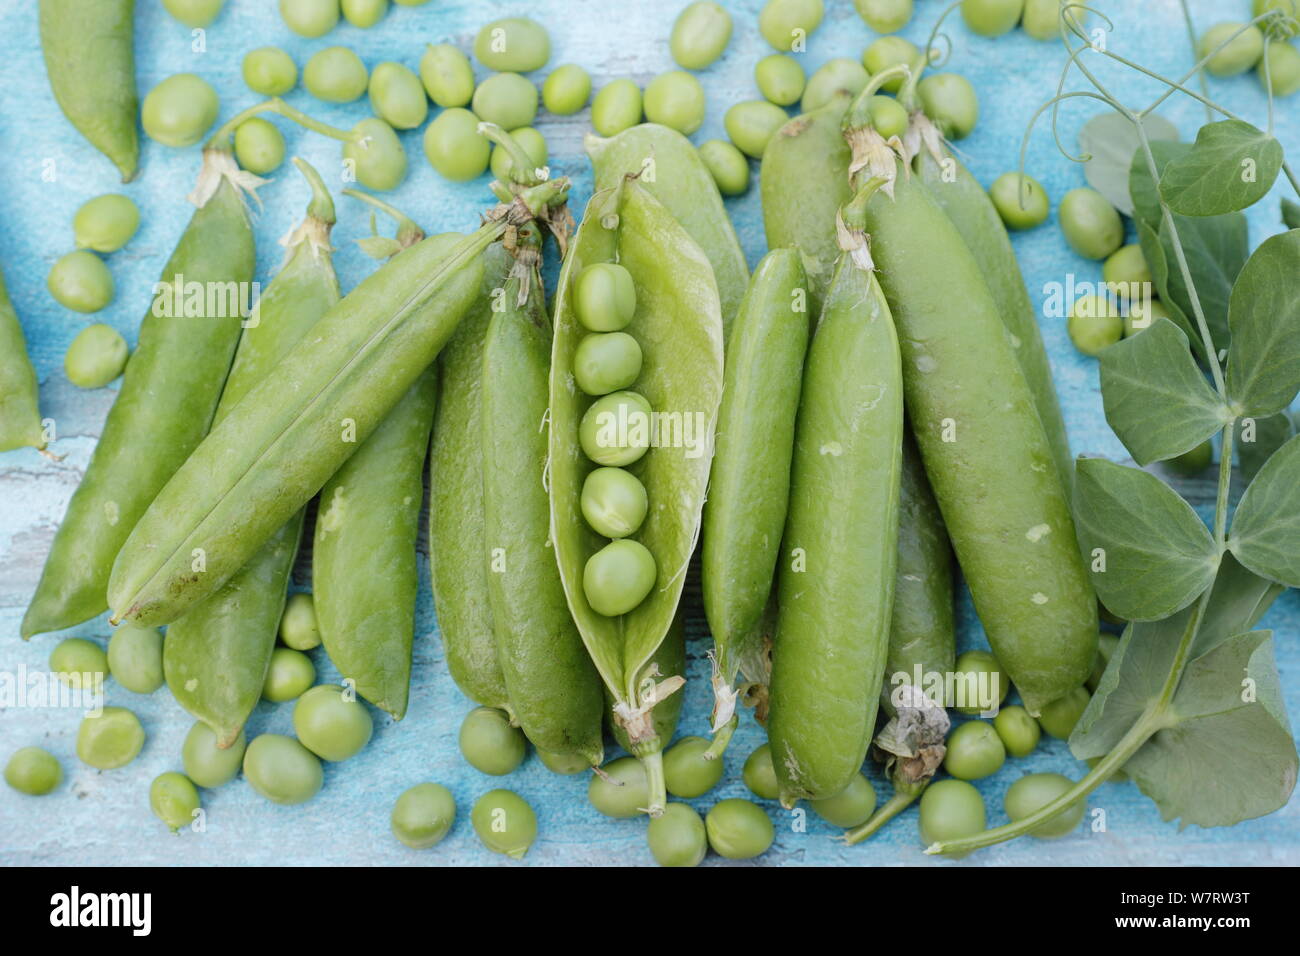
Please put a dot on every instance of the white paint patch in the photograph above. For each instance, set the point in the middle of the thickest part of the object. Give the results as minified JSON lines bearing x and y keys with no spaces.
{"x":1038,"y":532}
{"x":1039,"y":598}
{"x":112,"y":513}
{"x":832,"y":448}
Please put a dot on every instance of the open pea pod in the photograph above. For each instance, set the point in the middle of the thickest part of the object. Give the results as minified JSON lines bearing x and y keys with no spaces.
{"x":678,"y":325}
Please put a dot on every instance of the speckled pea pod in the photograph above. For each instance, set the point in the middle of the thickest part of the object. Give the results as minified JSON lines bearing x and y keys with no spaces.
{"x":669,"y":661}
{"x":90,"y":60}
{"x":164,"y":408}
{"x":20,"y":418}
{"x":686,"y":188}
{"x":216,"y":656}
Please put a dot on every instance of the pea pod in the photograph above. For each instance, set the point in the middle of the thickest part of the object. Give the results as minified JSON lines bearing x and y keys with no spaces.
{"x":836,"y":586}
{"x":749,"y":486}
{"x":686,"y":188}
{"x":90,"y":61}
{"x":297,"y":426}
{"x":165,"y":406}
{"x":668,"y":662}
{"x":215,"y":657}
{"x":678,"y":323}
{"x":20,"y":418}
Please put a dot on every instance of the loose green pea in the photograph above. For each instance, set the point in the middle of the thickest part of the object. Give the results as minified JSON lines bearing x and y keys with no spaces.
{"x":700,"y":34}
{"x":728,"y":165}
{"x":1020,"y":200}
{"x":106,"y":223}
{"x":885,"y":16}
{"x":1242,"y":52}
{"x":423,"y":815}
{"x":950,"y":810}
{"x":207,"y":764}
{"x":618,"y":577}
{"x":678,"y":838}
{"x":888,"y":116}
{"x":992,"y":18}
{"x":174,"y":800}
{"x":1059,"y":717}
{"x":606,"y":362}
{"x":620,"y":790}
{"x":335,"y":74}
{"x":1034,"y":791}
{"x":739,"y":829}
{"x":282,"y":770}
{"x":96,"y":356}
{"x":332,"y":723}
{"x":376,"y":154}
{"x":615,"y":430}
{"x":566,"y":90}
{"x":1094,"y":323}
{"x":566,"y":765}
{"x":751,"y":124}
{"x":455,"y":147}
{"x":614,"y":501}
{"x":605,"y":297}
{"x":1192,"y":462}
{"x":33,"y":771}
{"x":1279,"y":68}
{"x":504,"y":822}
{"x":75,"y":657}
{"x":886,"y":52}
{"x":532,"y":143}
{"x":180,"y":110}
{"x":851,"y":807}
{"x":759,"y":774}
{"x":489,"y":743}
{"x":270,"y":71}
{"x":506,"y":99}
{"x":310,"y":18}
{"x":289,"y":675}
{"x":194,"y":13}
{"x":80,"y":281}
{"x":1140,"y":315}
{"x":447,"y":76}
{"x":299,"y":627}
{"x":616,"y":107}
{"x":259,"y":145}
{"x":1042,"y":18}
{"x":513,"y":45}
{"x":1286,"y":27}
{"x":111,"y":740}
{"x":838,"y":75}
{"x":397,"y":96}
{"x":1018,"y":731}
{"x":675,"y":100}
{"x":787,"y":24}
{"x":1091,"y":225}
{"x":950,"y":101}
{"x":975,"y":751}
{"x":135,"y":658}
{"x":780,"y":78}
{"x":1126,"y":269}
{"x":978,"y":673}
{"x":364,"y":13}
{"x":687,"y":773}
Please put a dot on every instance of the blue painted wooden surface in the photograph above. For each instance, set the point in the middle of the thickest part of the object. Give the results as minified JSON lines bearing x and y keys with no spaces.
{"x":103,"y":818}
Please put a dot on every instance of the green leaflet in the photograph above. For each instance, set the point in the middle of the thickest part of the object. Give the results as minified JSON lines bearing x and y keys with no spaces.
{"x":1290,"y":213}
{"x":1258,"y":439}
{"x":1265,"y":533}
{"x":1231,"y":166}
{"x":1110,"y":141}
{"x":1142,"y":186}
{"x":1264,"y":316}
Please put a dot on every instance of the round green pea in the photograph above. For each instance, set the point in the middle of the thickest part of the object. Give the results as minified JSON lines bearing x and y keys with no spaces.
{"x":888,"y":116}
{"x":423,"y":815}
{"x":80,"y":281}
{"x":1018,"y":731}
{"x":992,"y":18}
{"x":780,"y":78}
{"x":1126,"y":268}
{"x":978,"y":673}
{"x":1059,"y":717}
{"x":504,"y":822}
{"x":1192,"y":462}
{"x":975,"y":751}
{"x":207,"y":764}
{"x":33,"y":771}
{"x":75,"y":657}
{"x":96,"y":356}
{"x":282,"y":770}
{"x":678,"y":838}
{"x":616,"y":107}
{"x":1282,"y":76}
{"x":1094,"y":323}
{"x":488,"y":742}
{"x":180,"y":110}
{"x":700,"y":34}
{"x":1091,"y":224}
{"x":532,"y":143}
{"x":376,"y":154}
{"x":397,"y":96}
{"x":614,"y":501}
{"x":194,"y":13}
{"x":513,"y":45}
{"x":1241,"y":53}
{"x":135,"y":658}
{"x":332,"y":723}
{"x":885,"y":52}
{"x":1140,"y":315}
{"x":566,"y":90}
{"x":566,"y":765}
{"x":335,"y":74}
{"x":615,"y":430}
{"x":447,"y":75}
{"x":299,"y":628}
{"x":838,"y":75}
{"x":728,"y":165}
{"x":1020,"y":200}
{"x":1042,"y":18}
{"x":739,"y":829}
{"x":604,"y":297}
{"x":310,"y":18}
{"x":174,"y":800}
{"x":259,"y":145}
{"x":111,"y":740}
{"x":751,"y":124}
{"x":675,"y":100}
{"x":606,"y":362}
{"x":618,"y":577}
{"x":506,"y":99}
{"x":950,"y":101}
{"x":106,"y":223}
{"x":851,"y":807}
{"x":759,"y":774}
{"x":787,"y":24}
{"x":885,"y":16}
{"x":620,"y":789}
{"x":364,"y":13}
{"x":1286,"y":27}
{"x":687,"y":773}
{"x":950,"y":810}
{"x":455,"y":147}
{"x":289,"y":675}
{"x":1036,"y":790}
{"x":270,"y":71}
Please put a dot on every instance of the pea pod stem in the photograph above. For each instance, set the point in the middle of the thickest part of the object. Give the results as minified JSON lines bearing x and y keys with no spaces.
{"x":722,"y":739}
{"x":522,"y":169}
{"x":903,"y":798}
{"x":408,"y":231}
{"x":654,"y":778}
{"x":221,"y":138}
{"x":858,"y":114}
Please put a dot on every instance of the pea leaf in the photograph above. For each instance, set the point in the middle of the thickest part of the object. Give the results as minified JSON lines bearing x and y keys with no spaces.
{"x":1147,"y":552}
{"x":1258,"y":438}
{"x":1231,"y":166}
{"x":1156,"y":399}
{"x":1142,"y":187}
{"x":1264,"y":317}
{"x":1110,"y":141}
{"x":1216,"y":248}
{"x":1265,"y":533}
{"x":1154,"y":253}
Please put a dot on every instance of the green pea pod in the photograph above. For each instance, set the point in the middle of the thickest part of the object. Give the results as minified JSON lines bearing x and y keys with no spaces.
{"x":686,"y":188}
{"x":668,"y":662}
{"x":216,"y":656}
{"x":836,"y":586}
{"x":554,"y":689}
{"x":678,"y":324}
{"x":90,"y":60}
{"x":922,"y":631}
{"x":165,"y":406}
{"x":20,"y":418}
{"x":297,"y":426}
{"x":749,"y":486}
